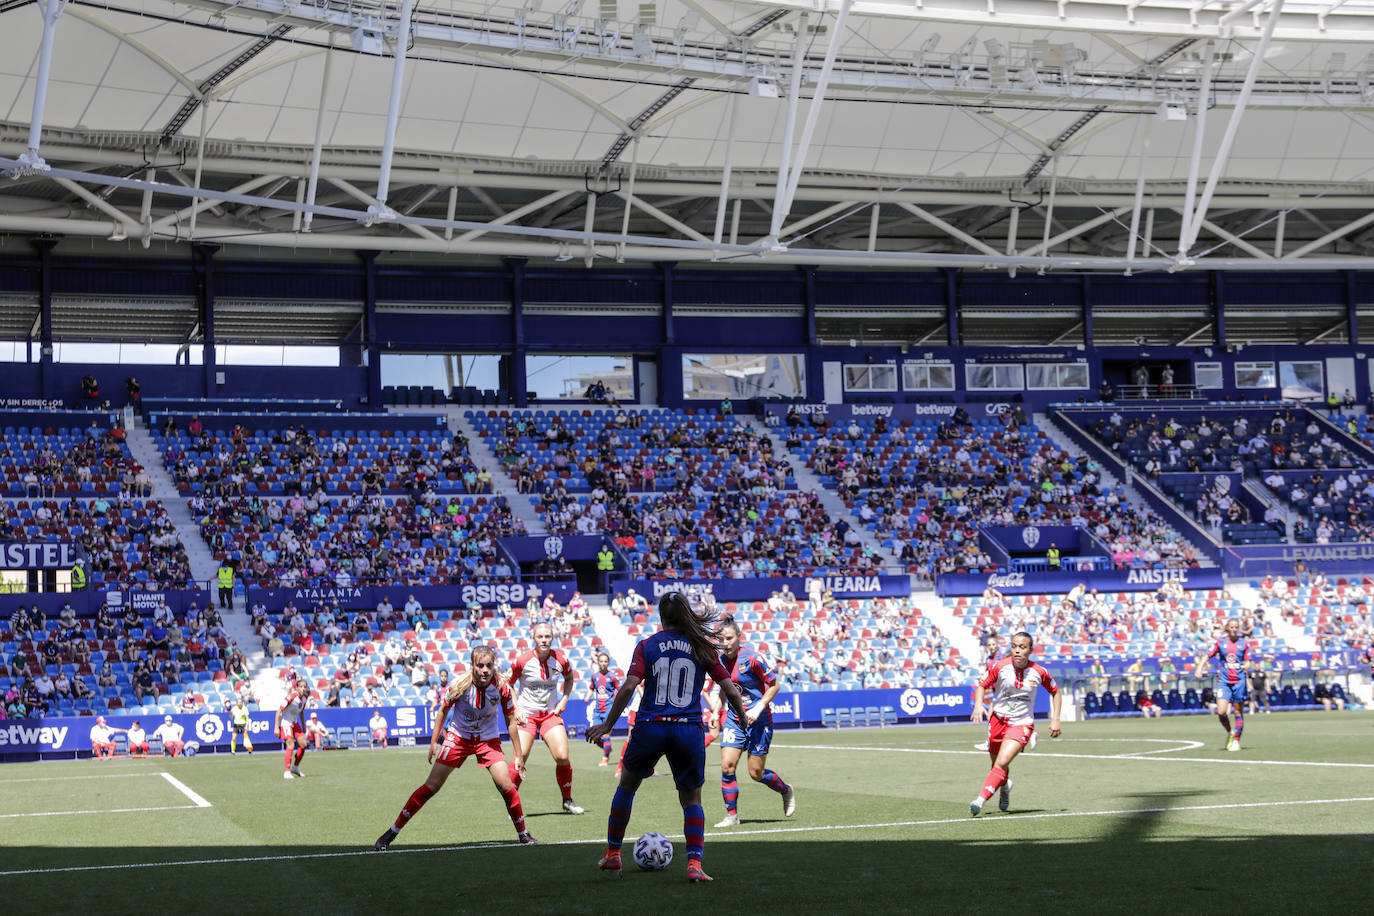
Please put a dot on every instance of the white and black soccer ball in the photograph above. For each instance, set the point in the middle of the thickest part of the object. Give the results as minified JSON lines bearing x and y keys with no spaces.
{"x":653,"y":852}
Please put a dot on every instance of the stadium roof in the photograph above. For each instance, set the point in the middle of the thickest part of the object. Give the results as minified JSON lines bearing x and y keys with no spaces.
{"x":977,"y":133}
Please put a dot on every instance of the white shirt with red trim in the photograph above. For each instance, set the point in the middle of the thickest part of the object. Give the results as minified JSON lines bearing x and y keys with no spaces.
{"x":474,"y":716}
{"x":1013,"y":698}
{"x":292,"y":705}
{"x":539,"y":685}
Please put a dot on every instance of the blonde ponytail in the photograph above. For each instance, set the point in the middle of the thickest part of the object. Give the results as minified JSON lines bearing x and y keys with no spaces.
{"x":462,"y":685}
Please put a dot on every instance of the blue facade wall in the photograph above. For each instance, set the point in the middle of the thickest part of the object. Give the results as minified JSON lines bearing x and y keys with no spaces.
{"x":677,"y":293}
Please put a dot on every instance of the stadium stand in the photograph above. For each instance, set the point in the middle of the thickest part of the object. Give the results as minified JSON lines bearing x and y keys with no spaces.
{"x":924,"y":487}
{"x":126,"y":541}
{"x":352,"y":540}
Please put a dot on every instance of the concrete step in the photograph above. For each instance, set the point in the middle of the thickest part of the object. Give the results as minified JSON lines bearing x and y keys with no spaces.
{"x":614,"y":635}
{"x":951,"y":627}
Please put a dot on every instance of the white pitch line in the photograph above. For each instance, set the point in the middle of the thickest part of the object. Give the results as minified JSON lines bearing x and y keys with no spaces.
{"x":103,"y":811}
{"x":997,"y":819}
{"x":6,"y":782}
{"x":185,"y":790}
{"x":1137,"y":756}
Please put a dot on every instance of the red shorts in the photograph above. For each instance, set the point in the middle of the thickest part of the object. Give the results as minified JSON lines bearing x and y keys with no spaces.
{"x":292,"y":730}
{"x":538,"y":723}
{"x":1000,"y":730}
{"x":456,"y":749}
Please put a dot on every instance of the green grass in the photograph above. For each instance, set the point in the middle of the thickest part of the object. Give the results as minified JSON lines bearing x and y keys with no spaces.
{"x":1090,"y":831}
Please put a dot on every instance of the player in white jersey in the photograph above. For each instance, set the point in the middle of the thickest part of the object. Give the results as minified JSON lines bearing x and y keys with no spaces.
{"x":542,"y":679}
{"x":1014,"y":681}
{"x":472,"y":730}
{"x":289,"y":724}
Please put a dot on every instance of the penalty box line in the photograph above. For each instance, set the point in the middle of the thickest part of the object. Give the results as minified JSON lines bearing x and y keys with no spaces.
{"x":197,"y":801}
{"x":999,"y":819}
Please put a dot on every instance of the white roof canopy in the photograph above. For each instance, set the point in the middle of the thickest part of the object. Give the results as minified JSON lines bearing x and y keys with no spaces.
{"x":944,"y":131}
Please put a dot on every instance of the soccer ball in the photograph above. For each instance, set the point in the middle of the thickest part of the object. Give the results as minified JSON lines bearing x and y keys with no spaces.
{"x":653,"y":852}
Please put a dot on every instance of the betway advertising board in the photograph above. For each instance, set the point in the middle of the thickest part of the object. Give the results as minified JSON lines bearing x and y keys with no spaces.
{"x":851,"y":586}
{"x":843,"y":413}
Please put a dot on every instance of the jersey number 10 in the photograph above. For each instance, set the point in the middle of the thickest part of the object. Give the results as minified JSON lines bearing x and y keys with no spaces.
{"x":674,"y":679}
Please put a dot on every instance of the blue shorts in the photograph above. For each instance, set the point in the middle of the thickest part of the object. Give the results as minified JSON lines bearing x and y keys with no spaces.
{"x":755,"y":740}
{"x":680,"y":742}
{"x":1233,"y":693}
{"x":599,"y":717}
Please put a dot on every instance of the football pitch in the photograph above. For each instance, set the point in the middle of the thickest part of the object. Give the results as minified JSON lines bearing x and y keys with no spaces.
{"x":1117,"y":816}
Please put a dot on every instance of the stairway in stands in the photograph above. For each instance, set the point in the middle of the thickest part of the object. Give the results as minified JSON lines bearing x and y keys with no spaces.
{"x":807,"y":481}
{"x":1064,"y":443}
{"x":203,"y":563}
{"x":501,"y":483}
{"x":144,"y":450}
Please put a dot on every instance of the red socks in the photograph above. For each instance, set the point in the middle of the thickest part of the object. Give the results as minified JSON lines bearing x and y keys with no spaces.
{"x":514,"y":808}
{"x":515,"y":777}
{"x":996,"y":777}
{"x":563,"y":774}
{"x":300,"y":755}
{"x":416,"y":802}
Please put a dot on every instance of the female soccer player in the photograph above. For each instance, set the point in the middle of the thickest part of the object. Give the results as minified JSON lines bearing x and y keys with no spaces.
{"x":601,"y":688}
{"x":289,"y":724}
{"x":471,"y":730}
{"x":754,"y":677}
{"x":1014,"y":681}
{"x":672,"y":665}
{"x":1231,"y":686}
{"x":539,"y":705}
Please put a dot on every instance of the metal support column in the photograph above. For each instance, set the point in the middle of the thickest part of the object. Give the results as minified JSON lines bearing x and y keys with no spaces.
{"x":1193,"y":221}
{"x":1199,"y":130}
{"x":725,"y":173}
{"x":952,"y":305}
{"x":319,"y":137}
{"x":1352,"y":312}
{"x":372,"y":353}
{"x":516,"y":376}
{"x":789,"y":124}
{"x":206,"y":252}
{"x":1218,"y":290}
{"x":666,"y":272}
{"x":1087,"y":294}
{"x":813,"y":112}
{"x":50,"y":10}
{"x":1139,"y":195}
{"x":380,"y":210}
{"x":46,"y":370}
{"x":808,"y":275}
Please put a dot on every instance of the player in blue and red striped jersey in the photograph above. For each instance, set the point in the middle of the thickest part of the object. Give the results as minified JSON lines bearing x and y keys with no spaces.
{"x":1232,"y":686}
{"x":672,"y":665}
{"x":601,"y":688}
{"x":758,"y":684}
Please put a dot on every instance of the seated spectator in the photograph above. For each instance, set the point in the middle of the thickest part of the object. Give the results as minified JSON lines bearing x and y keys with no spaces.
{"x":316,"y":732}
{"x":138,"y":741}
{"x":171,"y":734}
{"x":1321,"y":691}
{"x":377,"y":727}
{"x":66,"y":618}
{"x":1147,"y":706}
{"x":106,"y":676}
